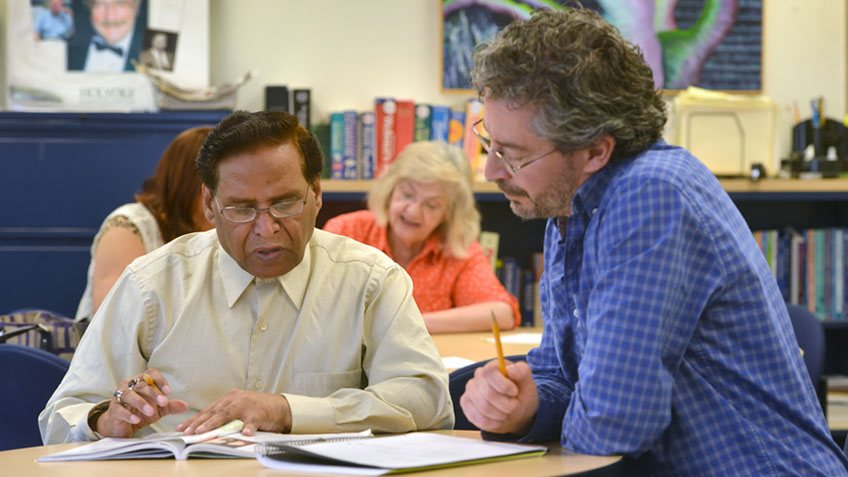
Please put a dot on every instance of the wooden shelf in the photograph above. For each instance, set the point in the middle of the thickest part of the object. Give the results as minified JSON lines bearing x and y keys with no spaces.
{"x":785,"y":185}
{"x":362,"y":186}
{"x":730,"y":185}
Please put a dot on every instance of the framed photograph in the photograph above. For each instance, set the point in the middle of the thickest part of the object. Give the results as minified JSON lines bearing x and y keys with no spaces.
{"x":710,"y":44}
{"x":80,"y":55}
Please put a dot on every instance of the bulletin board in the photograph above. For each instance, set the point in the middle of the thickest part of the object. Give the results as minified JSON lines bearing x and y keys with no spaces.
{"x":711,"y":44}
{"x":89,"y":66}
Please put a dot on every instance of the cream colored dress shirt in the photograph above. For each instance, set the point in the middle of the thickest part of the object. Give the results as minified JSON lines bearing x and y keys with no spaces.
{"x":339,"y":336}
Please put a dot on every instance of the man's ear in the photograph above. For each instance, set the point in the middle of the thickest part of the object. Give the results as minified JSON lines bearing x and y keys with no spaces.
{"x":208,"y":211}
{"x":599,"y":154}
{"x":316,"y":188}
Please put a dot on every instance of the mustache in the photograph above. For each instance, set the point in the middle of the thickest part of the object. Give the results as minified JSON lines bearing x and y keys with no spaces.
{"x":502,"y":185}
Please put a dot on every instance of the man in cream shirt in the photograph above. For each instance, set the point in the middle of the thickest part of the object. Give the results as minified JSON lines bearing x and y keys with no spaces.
{"x":263,"y":319}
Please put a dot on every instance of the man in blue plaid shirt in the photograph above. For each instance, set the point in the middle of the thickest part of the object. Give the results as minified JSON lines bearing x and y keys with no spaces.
{"x":666,"y":338}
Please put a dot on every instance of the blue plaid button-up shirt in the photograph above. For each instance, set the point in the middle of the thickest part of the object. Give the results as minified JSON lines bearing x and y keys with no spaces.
{"x":666,"y":338}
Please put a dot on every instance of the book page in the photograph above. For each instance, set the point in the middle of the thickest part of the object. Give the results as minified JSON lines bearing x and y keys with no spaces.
{"x":240,"y":445}
{"x":414,"y":450}
{"x":118,"y":448}
{"x":519,"y":338}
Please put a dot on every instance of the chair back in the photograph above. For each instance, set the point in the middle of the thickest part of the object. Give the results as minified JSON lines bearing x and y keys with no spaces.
{"x":28,"y":377}
{"x":810,"y":335}
{"x":456,"y":384}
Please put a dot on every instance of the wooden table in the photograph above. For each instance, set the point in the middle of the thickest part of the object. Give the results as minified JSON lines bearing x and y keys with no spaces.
{"x":21,"y":462}
{"x":475,"y":347}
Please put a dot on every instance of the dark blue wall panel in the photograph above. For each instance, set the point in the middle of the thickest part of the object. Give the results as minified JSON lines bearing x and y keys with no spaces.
{"x":60,"y":175}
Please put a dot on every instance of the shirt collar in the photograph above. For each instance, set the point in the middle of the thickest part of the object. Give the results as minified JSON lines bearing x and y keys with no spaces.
{"x":236,"y":280}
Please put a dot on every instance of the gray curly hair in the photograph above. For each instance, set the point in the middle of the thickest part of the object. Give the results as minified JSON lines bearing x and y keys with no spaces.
{"x":586,"y":80}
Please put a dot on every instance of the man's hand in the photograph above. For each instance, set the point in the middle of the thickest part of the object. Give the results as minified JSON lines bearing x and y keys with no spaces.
{"x":258,"y":411}
{"x":139,"y":406}
{"x":502,"y":404}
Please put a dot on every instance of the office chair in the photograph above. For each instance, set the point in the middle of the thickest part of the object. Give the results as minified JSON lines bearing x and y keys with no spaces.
{"x":28,"y":377}
{"x":456,"y":384}
{"x":810,"y":335}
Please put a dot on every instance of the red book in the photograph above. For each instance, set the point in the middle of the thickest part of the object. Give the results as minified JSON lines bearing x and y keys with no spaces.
{"x":385,"y":112}
{"x":404,"y":125}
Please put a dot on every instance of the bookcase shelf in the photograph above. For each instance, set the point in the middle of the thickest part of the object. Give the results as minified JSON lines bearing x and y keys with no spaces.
{"x":804,"y":189}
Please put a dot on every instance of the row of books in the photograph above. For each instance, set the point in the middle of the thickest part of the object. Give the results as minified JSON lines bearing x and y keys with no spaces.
{"x":363,"y":144}
{"x":810,"y":267}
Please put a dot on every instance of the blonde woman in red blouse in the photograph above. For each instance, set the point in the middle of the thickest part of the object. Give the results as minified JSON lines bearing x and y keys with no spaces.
{"x":422,"y":214}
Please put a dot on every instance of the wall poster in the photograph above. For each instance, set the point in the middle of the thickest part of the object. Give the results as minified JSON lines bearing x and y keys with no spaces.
{"x":712,"y":44}
{"x":79,"y":55}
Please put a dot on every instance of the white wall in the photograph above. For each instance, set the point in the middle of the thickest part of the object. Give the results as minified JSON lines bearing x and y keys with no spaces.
{"x":349,"y":52}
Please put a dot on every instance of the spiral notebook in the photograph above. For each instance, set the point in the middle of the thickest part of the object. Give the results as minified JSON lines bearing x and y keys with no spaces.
{"x":388,"y":455}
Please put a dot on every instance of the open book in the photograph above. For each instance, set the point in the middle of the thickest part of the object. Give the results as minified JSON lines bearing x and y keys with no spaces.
{"x":388,"y":455}
{"x":222,"y":442}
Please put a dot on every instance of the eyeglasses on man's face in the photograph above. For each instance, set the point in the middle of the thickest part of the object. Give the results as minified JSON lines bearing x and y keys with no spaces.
{"x":280,"y":210}
{"x":486,"y":142}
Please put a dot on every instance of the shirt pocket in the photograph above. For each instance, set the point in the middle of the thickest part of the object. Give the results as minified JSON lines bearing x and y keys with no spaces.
{"x":324,"y":384}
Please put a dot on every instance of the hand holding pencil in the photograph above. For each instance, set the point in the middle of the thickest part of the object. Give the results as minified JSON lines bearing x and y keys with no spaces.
{"x":502,"y":396}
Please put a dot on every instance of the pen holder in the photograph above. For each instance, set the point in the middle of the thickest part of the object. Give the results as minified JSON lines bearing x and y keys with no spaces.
{"x":829,"y":134}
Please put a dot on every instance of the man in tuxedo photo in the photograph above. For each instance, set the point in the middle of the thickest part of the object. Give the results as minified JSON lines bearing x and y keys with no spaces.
{"x":108,"y":35}
{"x":158,"y":55}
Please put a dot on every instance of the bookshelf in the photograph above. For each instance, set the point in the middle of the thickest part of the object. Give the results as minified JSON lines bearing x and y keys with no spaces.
{"x":814,"y":187}
{"x":765,"y":204}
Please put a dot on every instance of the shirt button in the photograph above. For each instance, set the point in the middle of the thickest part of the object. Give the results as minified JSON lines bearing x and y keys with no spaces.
{"x":594,"y":211}
{"x":257,"y":385}
{"x":263,"y":327}
{"x":576,"y":313}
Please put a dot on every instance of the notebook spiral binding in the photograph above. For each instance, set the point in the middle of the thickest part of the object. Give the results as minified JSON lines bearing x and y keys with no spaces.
{"x":284,"y":447}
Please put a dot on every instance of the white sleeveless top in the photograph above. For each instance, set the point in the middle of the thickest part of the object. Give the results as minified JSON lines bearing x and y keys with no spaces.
{"x":151,"y":237}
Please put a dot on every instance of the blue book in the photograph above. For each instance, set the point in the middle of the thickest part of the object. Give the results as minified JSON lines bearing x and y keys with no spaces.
{"x":528,"y":299}
{"x":456,"y":129}
{"x":511,"y":275}
{"x":439,"y":123}
{"x":349,"y":145}
{"x":366,"y":145}
{"x":336,"y":145}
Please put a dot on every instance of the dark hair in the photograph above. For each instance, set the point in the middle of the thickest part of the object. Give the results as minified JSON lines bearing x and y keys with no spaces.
{"x":244,"y":131}
{"x":586,"y":80}
{"x":171,"y":194}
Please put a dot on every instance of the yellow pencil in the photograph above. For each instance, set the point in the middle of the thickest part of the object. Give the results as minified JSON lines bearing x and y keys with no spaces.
{"x":149,"y":380}
{"x":497,"y":332}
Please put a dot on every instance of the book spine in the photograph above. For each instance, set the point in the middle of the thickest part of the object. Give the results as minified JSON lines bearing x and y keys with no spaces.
{"x":404,"y":125}
{"x":385,"y":111}
{"x":490,"y":241}
{"x":423,"y":123}
{"x":457,"y":128}
{"x":336,"y":142}
{"x":528,"y":287}
{"x":349,"y":145}
{"x":366,"y":141}
{"x":538,"y":262}
{"x":301,"y":100}
{"x":471,"y":145}
{"x":322,"y":132}
{"x":439,"y":123}
{"x":838,"y":274}
{"x":511,"y":274}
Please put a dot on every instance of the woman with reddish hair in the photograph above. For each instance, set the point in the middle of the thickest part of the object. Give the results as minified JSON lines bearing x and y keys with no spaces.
{"x":168,"y":206}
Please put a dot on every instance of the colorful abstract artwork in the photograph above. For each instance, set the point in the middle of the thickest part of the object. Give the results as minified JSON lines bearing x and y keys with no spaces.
{"x":712,"y":44}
